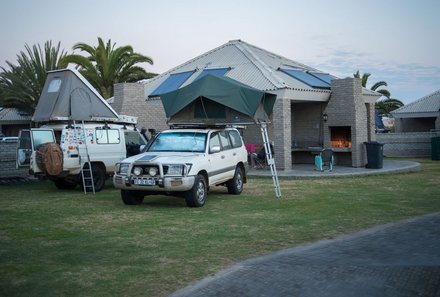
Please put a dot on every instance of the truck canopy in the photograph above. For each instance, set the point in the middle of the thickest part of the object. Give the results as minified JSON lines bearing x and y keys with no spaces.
{"x":214,"y":100}
{"x":67,"y":95}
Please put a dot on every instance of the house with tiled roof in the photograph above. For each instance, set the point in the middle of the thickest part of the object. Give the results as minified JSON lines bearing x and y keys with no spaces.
{"x":422,"y":115}
{"x":12,"y":121}
{"x":313,"y":109}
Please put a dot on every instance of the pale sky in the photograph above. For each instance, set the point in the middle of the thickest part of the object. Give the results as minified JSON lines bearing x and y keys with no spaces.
{"x":397,"y":41}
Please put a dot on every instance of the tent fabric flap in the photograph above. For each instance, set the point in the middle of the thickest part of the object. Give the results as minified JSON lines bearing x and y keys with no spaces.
{"x":219,"y":99}
{"x":67,"y":95}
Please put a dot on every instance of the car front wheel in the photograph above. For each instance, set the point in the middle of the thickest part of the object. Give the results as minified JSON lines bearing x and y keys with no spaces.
{"x":196,"y":197}
{"x":132,"y":197}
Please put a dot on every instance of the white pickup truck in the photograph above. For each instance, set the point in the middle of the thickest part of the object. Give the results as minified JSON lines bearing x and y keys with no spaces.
{"x":184,"y":162}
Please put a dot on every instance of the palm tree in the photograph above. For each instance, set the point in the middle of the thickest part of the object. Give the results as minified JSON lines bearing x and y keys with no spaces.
{"x":376,"y":86}
{"x":387,"y":105}
{"x":107,"y":65}
{"x":21,"y":85}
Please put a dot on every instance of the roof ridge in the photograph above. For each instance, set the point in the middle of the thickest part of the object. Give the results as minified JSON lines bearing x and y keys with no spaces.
{"x":298,"y":64}
{"x":185,"y":63}
{"x":262,"y":67}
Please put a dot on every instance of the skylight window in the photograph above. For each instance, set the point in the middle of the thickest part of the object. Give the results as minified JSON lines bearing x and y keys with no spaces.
{"x":172,"y":83}
{"x":216,"y":71}
{"x":324,"y":76}
{"x":307,"y":78}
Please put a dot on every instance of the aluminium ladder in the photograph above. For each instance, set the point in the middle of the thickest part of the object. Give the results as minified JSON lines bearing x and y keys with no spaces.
{"x":270,"y":160}
{"x":86,"y":173}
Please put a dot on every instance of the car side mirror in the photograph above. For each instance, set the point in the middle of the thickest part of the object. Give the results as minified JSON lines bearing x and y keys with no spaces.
{"x":215,"y":149}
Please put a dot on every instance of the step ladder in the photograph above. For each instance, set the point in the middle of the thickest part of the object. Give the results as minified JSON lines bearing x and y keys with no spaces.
{"x":86,"y":165}
{"x":270,"y":160}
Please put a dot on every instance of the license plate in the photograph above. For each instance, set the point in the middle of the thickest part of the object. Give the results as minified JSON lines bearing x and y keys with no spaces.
{"x":145,"y":182}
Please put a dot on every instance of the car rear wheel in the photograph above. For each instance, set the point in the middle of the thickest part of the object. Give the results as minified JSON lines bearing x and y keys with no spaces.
{"x":99,"y":177}
{"x":63,"y":184}
{"x":196,"y":197}
{"x":235,"y":185}
{"x":132,"y":197}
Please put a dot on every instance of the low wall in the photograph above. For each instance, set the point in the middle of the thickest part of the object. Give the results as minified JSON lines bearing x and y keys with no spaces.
{"x":8,"y":159}
{"x":413,"y":144}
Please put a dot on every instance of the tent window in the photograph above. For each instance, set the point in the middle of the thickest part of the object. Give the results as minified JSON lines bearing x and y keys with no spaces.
{"x":172,"y":83}
{"x":205,"y":109}
{"x":217,"y":71}
{"x":54,"y":86}
{"x":306,"y":78}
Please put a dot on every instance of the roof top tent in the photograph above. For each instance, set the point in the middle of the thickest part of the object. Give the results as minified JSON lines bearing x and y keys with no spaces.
{"x":67,"y":95}
{"x":217,"y":100}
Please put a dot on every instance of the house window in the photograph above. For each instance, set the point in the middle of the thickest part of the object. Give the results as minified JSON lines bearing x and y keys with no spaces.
{"x":172,"y":83}
{"x":307,"y":78}
{"x":217,"y":71}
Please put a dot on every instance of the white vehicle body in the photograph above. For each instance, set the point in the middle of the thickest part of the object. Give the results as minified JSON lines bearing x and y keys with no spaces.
{"x":107,"y":144}
{"x":184,"y":161}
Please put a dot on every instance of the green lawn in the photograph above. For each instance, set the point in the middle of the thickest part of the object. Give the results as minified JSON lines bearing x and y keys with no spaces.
{"x":65,"y":243}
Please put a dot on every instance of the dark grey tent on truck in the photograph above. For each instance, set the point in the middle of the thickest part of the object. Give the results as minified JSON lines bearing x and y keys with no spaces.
{"x":217,"y":100}
{"x":67,"y":95}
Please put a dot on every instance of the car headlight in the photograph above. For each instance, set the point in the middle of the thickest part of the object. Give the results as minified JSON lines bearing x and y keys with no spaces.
{"x":137,"y":171}
{"x":174,"y":169}
{"x":152,"y":171}
{"x":178,"y":169}
{"x":122,"y":168}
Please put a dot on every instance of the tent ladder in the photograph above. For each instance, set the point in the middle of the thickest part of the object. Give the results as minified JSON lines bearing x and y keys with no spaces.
{"x":86,"y":166}
{"x":270,"y":160}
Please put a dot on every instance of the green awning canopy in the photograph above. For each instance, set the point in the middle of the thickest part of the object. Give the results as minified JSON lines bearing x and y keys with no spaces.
{"x":217,"y":99}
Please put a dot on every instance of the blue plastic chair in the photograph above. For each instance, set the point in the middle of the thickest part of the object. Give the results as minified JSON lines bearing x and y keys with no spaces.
{"x":324,"y":159}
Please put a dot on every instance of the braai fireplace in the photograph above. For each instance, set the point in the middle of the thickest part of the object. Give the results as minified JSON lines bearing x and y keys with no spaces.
{"x":340,"y":137}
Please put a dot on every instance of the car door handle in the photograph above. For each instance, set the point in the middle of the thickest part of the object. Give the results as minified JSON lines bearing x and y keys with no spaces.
{"x":223,"y":156}
{"x":234,"y":153}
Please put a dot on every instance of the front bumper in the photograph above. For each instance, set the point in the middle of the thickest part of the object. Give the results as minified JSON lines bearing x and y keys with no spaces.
{"x":163,"y":184}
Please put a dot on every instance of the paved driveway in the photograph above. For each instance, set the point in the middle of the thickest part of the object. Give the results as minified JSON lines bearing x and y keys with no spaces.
{"x":398,"y":259}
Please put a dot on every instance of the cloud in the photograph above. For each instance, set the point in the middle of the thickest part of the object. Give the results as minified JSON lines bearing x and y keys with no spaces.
{"x":406,"y":81}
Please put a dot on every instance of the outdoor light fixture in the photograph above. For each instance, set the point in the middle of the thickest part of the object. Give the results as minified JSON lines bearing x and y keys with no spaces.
{"x":325,"y":117}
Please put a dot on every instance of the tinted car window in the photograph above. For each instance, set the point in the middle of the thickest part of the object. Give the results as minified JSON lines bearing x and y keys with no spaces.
{"x":235,"y":138}
{"x":214,"y":141}
{"x":224,"y":140}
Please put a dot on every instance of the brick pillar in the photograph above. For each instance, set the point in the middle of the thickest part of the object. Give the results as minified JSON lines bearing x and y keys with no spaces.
{"x":282,"y":134}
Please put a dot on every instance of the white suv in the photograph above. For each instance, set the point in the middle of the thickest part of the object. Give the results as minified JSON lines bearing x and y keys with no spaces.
{"x":184,"y":161}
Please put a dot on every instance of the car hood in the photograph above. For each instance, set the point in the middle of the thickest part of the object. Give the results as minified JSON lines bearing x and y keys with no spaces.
{"x":165,"y":157}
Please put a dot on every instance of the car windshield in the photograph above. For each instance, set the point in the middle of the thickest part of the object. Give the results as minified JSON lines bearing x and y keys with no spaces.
{"x":179,"y":142}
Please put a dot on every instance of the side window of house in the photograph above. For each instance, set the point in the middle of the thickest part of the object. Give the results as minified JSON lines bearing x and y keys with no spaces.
{"x":224,"y":140}
{"x":214,"y":140}
{"x":107,"y":136}
{"x":235,"y":138}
